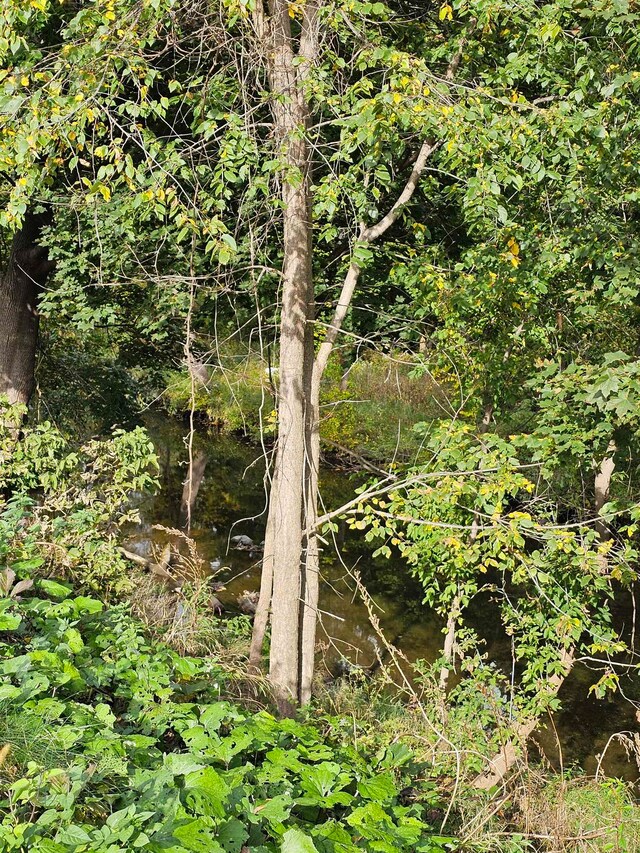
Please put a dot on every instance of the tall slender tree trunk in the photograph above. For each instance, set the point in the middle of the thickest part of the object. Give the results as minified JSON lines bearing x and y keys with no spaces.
{"x":290,"y":574}
{"x":26,"y":271}
{"x":311,"y":555}
{"x":286,"y":522}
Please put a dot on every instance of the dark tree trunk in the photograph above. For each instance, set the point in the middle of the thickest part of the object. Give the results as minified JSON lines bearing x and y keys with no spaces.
{"x":26,"y":271}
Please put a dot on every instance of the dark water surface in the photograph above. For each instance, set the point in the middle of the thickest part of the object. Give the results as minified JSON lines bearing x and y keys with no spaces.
{"x":231,"y":501}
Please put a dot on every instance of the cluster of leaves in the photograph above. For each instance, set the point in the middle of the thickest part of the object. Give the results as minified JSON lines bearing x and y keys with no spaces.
{"x":532,"y":247}
{"x":483,"y":519}
{"x":66,"y":504}
{"x":110,"y":743}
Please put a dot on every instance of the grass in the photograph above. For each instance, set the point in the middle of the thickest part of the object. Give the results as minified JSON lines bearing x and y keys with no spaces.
{"x":581,"y":815}
{"x":25,"y":738}
{"x":369,"y":409}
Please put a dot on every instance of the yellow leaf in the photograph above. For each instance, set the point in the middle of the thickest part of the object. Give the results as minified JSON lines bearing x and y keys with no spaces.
{"x":446,"y":13}
{"x":105,"y":192}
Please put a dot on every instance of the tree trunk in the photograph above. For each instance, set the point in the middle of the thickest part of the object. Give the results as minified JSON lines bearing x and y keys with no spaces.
{"x":26,"y":271}
{"x":290,"y":575}
{"x":449,"y":642}
{"x":602,"y":489}
{"x":286,"y":506}
{"x":501,"y":763}
{"x":311,"y":556}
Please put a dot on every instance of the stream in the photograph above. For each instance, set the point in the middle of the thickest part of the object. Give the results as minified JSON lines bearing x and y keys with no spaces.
{"x":230,"y":501}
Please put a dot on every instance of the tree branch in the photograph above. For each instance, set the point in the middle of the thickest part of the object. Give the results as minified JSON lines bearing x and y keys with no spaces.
{"x":368,"y":235}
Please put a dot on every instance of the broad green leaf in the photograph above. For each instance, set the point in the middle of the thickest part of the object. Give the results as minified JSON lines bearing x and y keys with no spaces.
{"x":296,"y":841}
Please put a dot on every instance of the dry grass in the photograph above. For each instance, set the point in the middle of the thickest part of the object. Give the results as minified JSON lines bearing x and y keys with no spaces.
{"x":580,"y":815}
{"x":181,"y":612}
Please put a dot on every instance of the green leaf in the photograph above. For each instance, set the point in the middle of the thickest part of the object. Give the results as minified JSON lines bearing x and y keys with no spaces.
{"x":74,"y":640}
{"x":295,"y":841}
{"x":378,"y":788}
{"x":180,"y":764}
{"x":275,"y":811}
{"x":9,"y":621}
{"x":55,"y":589}
{"x":74,"y":836}
{"x":206,"y":792}
{"x":232,"y":835}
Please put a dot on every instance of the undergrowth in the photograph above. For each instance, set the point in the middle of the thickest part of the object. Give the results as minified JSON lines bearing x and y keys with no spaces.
{"x":135,"y":749}
{"x":369,"y":409}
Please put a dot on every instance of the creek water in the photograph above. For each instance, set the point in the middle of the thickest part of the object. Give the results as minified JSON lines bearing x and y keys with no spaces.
{"x":231,"y":501}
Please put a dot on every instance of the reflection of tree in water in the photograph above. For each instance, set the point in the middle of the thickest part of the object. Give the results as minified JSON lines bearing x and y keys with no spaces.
{"x":191,"y":487}
{"x":228,"y":498}
{"x":227,"y":478}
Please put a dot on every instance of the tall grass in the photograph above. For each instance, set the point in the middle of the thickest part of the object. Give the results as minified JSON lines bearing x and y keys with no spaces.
{"x":369,"y":409}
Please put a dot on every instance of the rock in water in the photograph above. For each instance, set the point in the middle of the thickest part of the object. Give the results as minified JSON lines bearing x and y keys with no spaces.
{"x":248,"y":602}
{"x":242,"y":542}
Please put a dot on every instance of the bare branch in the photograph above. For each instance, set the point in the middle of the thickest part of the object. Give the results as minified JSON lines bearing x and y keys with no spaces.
{"x":368,"y":235}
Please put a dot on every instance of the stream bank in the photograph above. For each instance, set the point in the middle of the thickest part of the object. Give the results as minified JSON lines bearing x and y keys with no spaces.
{"x":231,"y":502}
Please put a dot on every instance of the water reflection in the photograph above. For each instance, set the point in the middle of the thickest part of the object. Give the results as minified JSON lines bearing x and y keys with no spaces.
{"x":227,"y":499}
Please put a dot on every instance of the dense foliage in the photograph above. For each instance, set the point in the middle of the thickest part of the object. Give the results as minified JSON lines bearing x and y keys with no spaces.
{"x":487,"y":369}
{"x":111,"y":743}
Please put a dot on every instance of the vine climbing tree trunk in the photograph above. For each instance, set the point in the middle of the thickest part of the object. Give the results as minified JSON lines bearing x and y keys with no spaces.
{"x":26,"y":270}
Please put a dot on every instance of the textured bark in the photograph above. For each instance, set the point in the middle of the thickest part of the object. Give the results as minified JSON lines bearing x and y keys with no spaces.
{"x":290,"y":575}
{"x":26,"y":271}
{"x":602,"y":487}
{"x":286,"y":506}
{"x":311,"y":557}
{"x":449,"y":643}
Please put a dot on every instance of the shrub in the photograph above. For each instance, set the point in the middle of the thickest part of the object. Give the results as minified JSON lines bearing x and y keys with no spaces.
{"x":153,"y":759}
{"x":64,"y":507}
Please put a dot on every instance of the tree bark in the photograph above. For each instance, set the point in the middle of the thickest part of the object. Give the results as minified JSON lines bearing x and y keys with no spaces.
{"x":26,"y":271}
{"x":501,"y":763}
{"x":311,"y":555}
{"x":449,"y":643}
{"x":290,"y":576}
{"x":602,"y":487}
{"x":286,"y":506}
